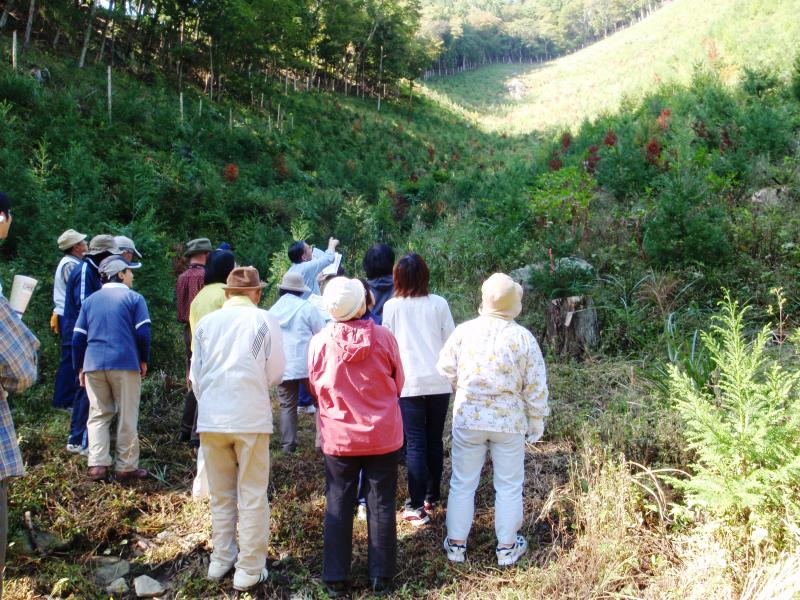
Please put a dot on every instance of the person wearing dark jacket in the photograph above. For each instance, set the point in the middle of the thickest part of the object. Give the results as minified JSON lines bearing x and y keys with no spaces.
{"x":82,"y":283}
{"x":378,"y":264}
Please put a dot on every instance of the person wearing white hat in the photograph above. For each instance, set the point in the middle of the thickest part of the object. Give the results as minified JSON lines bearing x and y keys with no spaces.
{"x":355,"y":372}
{"x":299,"y":322}
{"x":111,"y":350}
{"x":127,"y":247}
{"x":500,"y":382}
{"x":74,"y":247}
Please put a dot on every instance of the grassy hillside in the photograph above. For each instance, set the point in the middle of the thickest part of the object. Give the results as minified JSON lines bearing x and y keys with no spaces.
{"x":666,"y":47}
{"x":659,"y":196}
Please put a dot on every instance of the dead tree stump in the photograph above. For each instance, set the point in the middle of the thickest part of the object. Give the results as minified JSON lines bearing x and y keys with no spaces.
{"x":572,"y":325}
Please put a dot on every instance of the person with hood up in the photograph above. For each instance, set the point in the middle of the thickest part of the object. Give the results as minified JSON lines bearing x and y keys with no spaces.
{"x":355,"y":373}
{"x":299,"y":322}
{"x":498,"y":373}
{"x":378,"y":264}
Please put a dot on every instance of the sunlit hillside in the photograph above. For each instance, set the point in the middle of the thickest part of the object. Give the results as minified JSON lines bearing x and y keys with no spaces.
{"x":665,"y":47}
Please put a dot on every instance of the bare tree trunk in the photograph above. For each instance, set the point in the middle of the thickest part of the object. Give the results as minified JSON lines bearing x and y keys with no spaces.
{"x":87,"y":36}
{"x":109,"y":23}
{"x":572,"y":325}
{"x":29,"y":26}
{"x":6,"y":10}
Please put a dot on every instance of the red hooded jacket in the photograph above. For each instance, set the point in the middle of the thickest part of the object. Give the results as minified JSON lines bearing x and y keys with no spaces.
{"x":354,"y":371}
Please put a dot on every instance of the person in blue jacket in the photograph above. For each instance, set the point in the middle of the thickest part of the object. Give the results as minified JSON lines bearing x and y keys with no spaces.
{"x":111,"y":349}
{"x":82,"y":283}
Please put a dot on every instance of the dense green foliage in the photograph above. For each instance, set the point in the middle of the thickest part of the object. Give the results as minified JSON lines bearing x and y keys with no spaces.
{"x":742,"y":426}
{"x":474,"y":32}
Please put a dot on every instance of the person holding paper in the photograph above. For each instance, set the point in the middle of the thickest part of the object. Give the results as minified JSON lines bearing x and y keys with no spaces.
{"x":18,"y":348}
{"x":74,"y":247}
{"x":308,"y":265}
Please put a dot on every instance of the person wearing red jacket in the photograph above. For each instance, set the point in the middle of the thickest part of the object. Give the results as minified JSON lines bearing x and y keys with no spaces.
{"x":355,"y":373}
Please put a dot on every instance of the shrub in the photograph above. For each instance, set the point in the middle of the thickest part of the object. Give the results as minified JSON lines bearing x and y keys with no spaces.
{"x":683,"y":227}
{"x":795,"y":84}
{"x":759,"y":82}
{"x":743,"y":428}
{"x":562,"y":196}
{"x":563,"y":278}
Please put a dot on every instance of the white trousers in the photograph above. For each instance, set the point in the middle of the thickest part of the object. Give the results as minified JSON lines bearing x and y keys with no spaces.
{"x":237,"y":465}
{"x":508,"y":463}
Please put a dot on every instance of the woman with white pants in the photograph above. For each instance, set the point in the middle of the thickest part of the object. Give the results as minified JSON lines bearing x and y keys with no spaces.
{"x":500,"y":382}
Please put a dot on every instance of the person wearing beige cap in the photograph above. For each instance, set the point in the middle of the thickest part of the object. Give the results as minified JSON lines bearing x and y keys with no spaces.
{"x":237,"y":357}
{"x":355,"y":372}
{"x":82,"y":283}
{"x":74,"y":247}
{"x":299,"y":322}
{"x":498,"y":374}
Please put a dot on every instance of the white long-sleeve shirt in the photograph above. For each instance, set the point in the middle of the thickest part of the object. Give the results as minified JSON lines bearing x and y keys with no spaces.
{"x":421,"y":326}
{"x":238,"y":355}
{"x":498,"y":372}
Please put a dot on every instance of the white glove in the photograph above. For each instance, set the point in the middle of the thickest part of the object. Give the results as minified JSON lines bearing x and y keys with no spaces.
{"x":535,"y":431}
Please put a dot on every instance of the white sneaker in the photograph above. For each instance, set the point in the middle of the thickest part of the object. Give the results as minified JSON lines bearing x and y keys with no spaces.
{"x":508,"y":556}
{"x":78,"y":449}
{"x":361,"y":513}
{"x":243,"y":581}
{"x":455,"y":552}
{"x":217,"y":570}
{"x":416,"y":516}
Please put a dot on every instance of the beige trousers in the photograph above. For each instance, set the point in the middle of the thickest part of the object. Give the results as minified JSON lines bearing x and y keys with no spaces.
{"x":237,"y":465}
{"x":113,"y":393}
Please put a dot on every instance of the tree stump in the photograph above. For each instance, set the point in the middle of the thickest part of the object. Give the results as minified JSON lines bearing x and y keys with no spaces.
{"x":572,"y":325}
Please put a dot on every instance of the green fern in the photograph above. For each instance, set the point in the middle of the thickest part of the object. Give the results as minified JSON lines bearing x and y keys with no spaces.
{"x":743,"y":428}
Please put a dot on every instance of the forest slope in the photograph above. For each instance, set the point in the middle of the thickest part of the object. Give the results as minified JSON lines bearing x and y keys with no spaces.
{"x":663,"y":48}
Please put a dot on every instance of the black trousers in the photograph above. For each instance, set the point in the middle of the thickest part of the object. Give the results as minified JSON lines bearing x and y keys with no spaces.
{"x":188,"y":427}
{"x":380,"y":487}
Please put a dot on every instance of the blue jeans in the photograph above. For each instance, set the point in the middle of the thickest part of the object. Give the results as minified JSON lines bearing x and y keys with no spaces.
{"x":423,"y":424}
{"x":64,"y":392}
{"x":80,"y":415}
{"x":304,"y":396}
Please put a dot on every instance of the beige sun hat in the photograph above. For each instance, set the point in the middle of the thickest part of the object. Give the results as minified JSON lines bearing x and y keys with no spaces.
{"x":69,"y":238}
{"x":293,"y":282}
{"x":344,"y":298}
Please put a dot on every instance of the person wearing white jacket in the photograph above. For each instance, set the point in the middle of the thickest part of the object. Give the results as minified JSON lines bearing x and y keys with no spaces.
{"x":421,"y":322}
{"x":499,"y":376}
{"x":238,"y":355}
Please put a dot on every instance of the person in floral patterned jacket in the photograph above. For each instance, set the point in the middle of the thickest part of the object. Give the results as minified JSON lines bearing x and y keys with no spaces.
{"x":498,"y":374}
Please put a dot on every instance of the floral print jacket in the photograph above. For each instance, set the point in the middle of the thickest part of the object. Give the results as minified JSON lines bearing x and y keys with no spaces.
{"x":499,"y":376}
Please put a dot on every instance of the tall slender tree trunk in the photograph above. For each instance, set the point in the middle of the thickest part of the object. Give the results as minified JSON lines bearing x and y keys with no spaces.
{"x":88,"y":35}
{"x":29,"y":26}
{"x":109,"y":23}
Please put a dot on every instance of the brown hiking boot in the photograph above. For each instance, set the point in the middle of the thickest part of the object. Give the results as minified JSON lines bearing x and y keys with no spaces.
{"x":131,"y":475}
{"x":98,"y":473}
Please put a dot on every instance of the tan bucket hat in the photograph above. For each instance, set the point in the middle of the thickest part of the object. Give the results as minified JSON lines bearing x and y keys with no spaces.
{"x":103,"y":243}
{"x":293,"y":282}
{"x":69,"y":238}
{"x":244,"y":278}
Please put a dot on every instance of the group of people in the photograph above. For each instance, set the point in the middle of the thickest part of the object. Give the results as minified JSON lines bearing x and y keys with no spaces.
{"x":379,"y":357}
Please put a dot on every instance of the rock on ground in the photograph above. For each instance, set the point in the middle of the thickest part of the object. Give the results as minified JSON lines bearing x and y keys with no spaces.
{"x":109,"y":568}
{"x":147,"y":587}
{"x":118,"y":586}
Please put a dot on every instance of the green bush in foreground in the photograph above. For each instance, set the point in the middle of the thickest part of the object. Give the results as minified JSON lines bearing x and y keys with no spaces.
{"x":743,"y":428}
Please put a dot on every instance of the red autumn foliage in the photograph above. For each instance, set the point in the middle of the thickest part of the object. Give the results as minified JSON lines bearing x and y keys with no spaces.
{"x":700,"y":130}
{"x":663,"y":119}
{"x":399,"y":204}
{"x":566,"y":141}
{"x":555,"y":163}
{"x":653,"y":149}
{"x":356,"y":126}
{"x":725,"y":141}
{"x":592,"y":159}
{"x":390,"y":156}
{"x":431,"y":153}
{"x":279,"y":166}
{"x":611,"y":138}
{"x":230,"y":173}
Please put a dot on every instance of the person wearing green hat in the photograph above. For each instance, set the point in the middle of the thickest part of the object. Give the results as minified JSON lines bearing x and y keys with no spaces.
{"x":74,"y":247}
{"x":189,"y":283}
